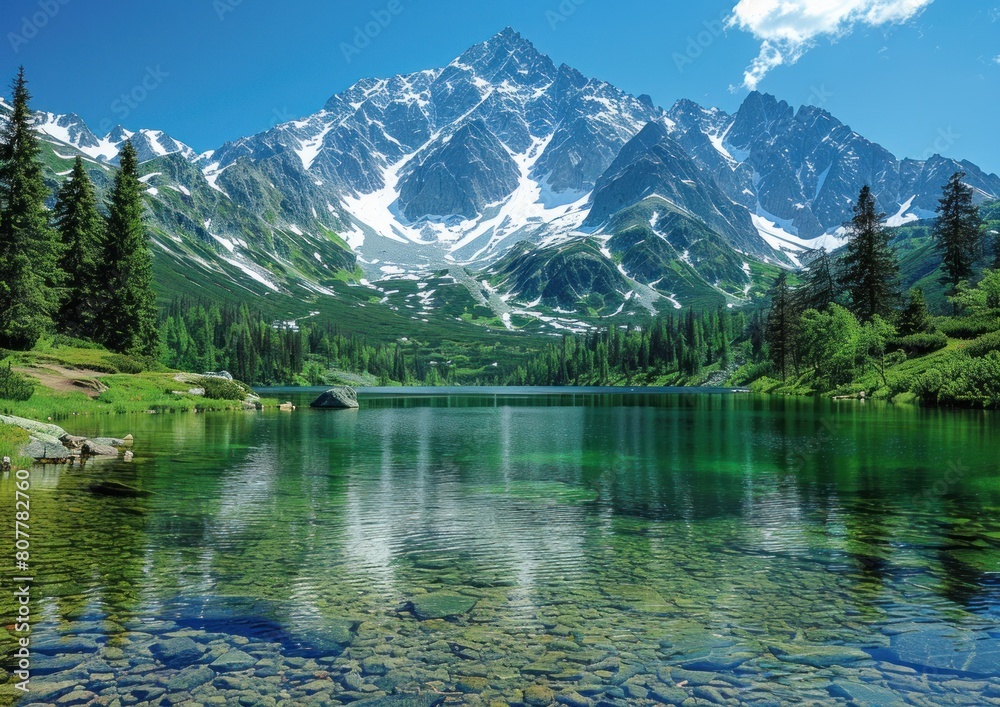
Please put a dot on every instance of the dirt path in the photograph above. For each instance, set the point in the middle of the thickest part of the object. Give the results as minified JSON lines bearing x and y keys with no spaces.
{"x":67,"y":380}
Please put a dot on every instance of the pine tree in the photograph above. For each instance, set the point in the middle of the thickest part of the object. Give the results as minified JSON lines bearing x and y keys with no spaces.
{"x":82,"y":230}
{"x":958,"y":231}
{"x":820,"y":288}
{"x":996,"y":250}
{"x":128,"y":317}
{"x":915,"y":319}
{"x":782,"y":326}
{"x":29,"y":247}
{"x":870,"y":271}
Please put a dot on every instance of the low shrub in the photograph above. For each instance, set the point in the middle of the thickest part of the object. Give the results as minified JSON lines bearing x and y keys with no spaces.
{"x":765,"y":384}
{"x":974,"y":383}
{"x":62,"y":340}
{"x":984,"y":345}
{"x":921,"y":344}
{"x":222,"y":389}
{"x":15,"y":386}
{"x":749,"y":372}
{"x":928,"y":386}
{"x":970,"y":327}
{"x":130,"y":364}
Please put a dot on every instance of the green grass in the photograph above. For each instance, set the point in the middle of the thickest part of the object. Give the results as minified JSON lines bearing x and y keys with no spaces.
{"x":11,"y":441}
{"x":127,"y":393}
{"x":155,"y":391}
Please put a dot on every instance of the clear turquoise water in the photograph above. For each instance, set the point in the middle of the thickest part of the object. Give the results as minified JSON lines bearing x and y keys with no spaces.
{"x":615,"y":549}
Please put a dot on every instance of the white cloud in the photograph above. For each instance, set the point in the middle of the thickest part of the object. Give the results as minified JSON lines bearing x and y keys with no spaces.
{"x":996,"y":59}
{"x":789,"y":28}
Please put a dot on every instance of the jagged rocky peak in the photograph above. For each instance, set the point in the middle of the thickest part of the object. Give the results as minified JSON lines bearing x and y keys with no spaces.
{"x":653,"y":164}
{"x":761,"y":115}
{"x":507,"y":56}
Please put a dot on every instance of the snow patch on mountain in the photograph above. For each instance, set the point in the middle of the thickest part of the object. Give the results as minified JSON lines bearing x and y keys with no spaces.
{"x":781,"y":235}
{"x":532,"y":208}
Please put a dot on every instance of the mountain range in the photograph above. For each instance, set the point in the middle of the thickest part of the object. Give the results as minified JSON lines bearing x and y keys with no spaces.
{"x":552,"y":198}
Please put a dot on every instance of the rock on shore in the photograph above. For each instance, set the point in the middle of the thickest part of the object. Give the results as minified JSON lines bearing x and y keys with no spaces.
{"x":344,"y":398}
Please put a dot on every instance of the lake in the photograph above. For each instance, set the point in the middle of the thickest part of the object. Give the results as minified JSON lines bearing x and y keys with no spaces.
{"x":518,"y":547}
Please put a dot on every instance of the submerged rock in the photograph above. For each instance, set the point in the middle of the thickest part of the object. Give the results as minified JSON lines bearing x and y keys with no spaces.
{"x":190,"y":678}
{"x":113,"y":488}
{"x":424,"y":700}
{"x":864,"y":695}
{"x":441,"y":605}
{"x":344,"y":398}
{"x":234,"y":661}
{"x":177,"y":652}
{"x":818,"y":656}
{"x":944,"y":648}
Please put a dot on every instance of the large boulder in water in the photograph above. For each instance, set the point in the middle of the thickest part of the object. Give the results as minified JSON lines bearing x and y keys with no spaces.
{"x":337,"y":399}
{"x":45,"y":448}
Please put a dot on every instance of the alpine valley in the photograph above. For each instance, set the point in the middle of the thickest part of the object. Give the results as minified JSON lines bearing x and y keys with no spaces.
{"x":508,"y":192}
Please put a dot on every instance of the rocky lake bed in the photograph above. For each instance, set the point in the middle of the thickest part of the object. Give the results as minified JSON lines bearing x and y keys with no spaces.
{"x":324,"y":558}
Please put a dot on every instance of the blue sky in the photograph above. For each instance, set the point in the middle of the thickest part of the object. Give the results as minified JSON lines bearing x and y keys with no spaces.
{"x":219,"y":69}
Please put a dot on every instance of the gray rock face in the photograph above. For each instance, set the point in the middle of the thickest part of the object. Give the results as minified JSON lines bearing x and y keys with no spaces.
{"x":109,"y":441}
{"x":653,"y":163}
{"x":219,"y":374}
{"x":337,"y":399}
{"x":806,"y":167}
{"x":459,"y":176}
{"x":92,"y":449}
{"x":46,"y":450}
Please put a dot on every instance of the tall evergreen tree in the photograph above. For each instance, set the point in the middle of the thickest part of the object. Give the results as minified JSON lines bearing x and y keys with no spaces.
{"x":128,"y":316}
{"x":29,"y":247}
{"x":820,"y":288}
{"x":82,"y":230}
{"x":958,"y":231}
{"x":915,"y":319}
{"x":782,"y":326}
{"x":870,"y":271}
{"x":996,"y":250}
